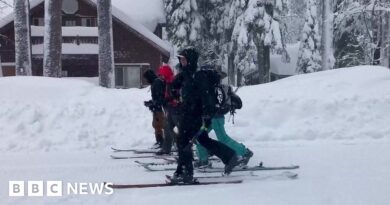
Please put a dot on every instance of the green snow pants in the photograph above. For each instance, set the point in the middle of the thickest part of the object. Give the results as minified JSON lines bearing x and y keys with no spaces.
{"x":218,"y":125}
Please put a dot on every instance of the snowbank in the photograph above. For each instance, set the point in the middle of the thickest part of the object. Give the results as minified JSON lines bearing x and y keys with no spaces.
{"x":349,"y":103}
{"x":38,"y":113}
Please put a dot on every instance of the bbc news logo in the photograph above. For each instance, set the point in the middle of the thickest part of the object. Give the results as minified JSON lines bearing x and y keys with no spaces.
{"x":57,"y":188}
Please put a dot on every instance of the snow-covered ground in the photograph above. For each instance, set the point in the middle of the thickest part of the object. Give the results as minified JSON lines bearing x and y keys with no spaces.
{"x":333,"y":124}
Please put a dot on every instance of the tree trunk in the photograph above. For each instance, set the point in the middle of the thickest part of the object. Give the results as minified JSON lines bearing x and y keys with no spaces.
{"x":106,"y":49}
{"x":267,"y":64}
{"x":385,"y":48}
{"x":239,"y":78}
{"x":231,"y":75}
{"x":263,"y":60}
{"x":52,"y":39}
{"x":22,"y":38}
{"x":327,"y":35}
{"x":260,"y":61}
{"x":1,"y":69}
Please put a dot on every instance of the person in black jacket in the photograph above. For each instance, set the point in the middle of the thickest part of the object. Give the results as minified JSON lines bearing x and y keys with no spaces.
{"x":155,"y":105}
{"x":196,"y":114}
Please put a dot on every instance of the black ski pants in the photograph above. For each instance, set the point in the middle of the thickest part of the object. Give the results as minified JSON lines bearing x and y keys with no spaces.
{"x":189,"y":126}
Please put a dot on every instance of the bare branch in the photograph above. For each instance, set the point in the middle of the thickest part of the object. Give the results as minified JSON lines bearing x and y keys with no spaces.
{"x":6,"y":3}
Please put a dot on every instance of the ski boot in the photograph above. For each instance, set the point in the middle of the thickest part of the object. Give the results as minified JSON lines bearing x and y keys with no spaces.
{"x":234,"y":161}
{"x":246,"y":157}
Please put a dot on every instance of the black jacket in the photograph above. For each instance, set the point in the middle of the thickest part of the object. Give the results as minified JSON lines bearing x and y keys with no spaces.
{"x":157,"y":88}
{"x":196,"y":97}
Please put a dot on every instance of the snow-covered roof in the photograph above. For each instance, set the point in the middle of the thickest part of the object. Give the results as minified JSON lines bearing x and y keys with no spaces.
{"x":68,"y":31}
{"x":280,"y":68}
{"x":125,"y":12}
{"x":147,"y":12}
{"x":9,"y":17}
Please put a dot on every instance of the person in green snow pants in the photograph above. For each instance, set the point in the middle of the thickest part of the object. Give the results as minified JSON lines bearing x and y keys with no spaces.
{"x":218,"y":125}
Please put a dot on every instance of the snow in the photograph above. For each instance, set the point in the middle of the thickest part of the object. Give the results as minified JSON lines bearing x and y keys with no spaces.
{"x":123,"y":14}
{"x":68,"y":31}
{"x":70,"y":48}
{"x":334,"y":124}
{"x":147,"y":12}
{"x":141,"y":29}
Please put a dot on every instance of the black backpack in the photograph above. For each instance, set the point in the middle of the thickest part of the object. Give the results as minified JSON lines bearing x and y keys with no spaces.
{"x":223,"y":96}
{"x":227,"y":99}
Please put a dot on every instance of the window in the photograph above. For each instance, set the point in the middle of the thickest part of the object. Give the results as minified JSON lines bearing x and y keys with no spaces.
{"x":70,"y":23}
{"x":89,"y":22}
{"x":37,"y":40}
{"x":129,"y":75}
{"x":38,"y":21}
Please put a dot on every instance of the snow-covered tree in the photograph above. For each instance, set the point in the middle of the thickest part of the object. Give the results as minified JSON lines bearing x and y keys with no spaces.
{"x":348,"y":32}
{"x":257,"y":30}
{"x":22,"y":37}
{"x":2,"y":6}
{"x":1,"y":69}
{"x":106,"y":47}
{"x":229,"y":33}
{"x":327,"y":35}
{"x":224,"y":27}
{"x":184,"y":22}
{"x":294,"y":20}
{"x":362,"y":24}
{"x":386,"y":41}
{"x":309,"y":57}
{"x":52,"y":39}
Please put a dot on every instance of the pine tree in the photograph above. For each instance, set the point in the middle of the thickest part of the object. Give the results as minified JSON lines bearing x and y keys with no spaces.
{"x":256,"y":32}
{"x":1,"y":69}
{"x":231,"y":10}
{"x":106,"y":49}
{"x":22,"y":38}
{"x":3,"y":5}
{"x":359,"y":32}
{"x":184,"y":22}
{"x":309,"y":58}
{"x":52,"y":39}
{"x":386,"y":41}
{"x":348,"y":35}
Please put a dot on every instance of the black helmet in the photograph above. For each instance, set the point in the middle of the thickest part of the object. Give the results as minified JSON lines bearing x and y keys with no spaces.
{"x":191,"y":54}
{"x":150,"y":76}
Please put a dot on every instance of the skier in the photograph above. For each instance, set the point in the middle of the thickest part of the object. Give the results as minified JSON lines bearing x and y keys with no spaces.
{"x":195,"y":118}
{"x":171,"y":110}
{"x":218,"y":125}
{"x":155,"y":105}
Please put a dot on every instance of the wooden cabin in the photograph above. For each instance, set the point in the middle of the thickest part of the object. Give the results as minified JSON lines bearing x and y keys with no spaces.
{"x":136,"y":48}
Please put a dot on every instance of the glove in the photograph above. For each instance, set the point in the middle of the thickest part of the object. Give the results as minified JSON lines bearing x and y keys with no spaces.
{"x":148,"y":103}
{"x":206,"y":122}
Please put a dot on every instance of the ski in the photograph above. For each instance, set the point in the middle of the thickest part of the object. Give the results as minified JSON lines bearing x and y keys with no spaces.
{"x":168,"y":161}
{"x":155,"y":163}
{"x":149,"y":166}
{"x":249,"y":168}
{"x":251,"y":176}
{"x":147,"y":151}
{"x":139,"y":151}
{"x":167,"y":184}
{"x":165,"y":157}
{"x":152,"y":168}
{"x":122,"y":150}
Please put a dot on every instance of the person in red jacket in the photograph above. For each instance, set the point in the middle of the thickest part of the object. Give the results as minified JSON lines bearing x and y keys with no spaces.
{"x":171,"y":109}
